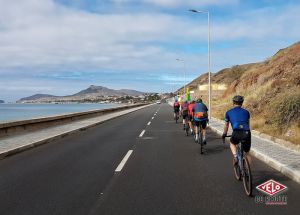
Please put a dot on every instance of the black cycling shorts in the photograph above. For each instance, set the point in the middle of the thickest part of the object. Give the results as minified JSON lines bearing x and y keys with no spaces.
{"x":176,"y":110}
{"x":203,"y":123}
{"x":185,"y":116}
{"x":241,"y":136}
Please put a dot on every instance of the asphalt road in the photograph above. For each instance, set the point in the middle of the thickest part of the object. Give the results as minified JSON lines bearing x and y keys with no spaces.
{"x":165,"y":173}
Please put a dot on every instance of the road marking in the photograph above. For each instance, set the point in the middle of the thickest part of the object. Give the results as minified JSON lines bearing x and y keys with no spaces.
{"x":152,"y":117}
{"x":149,"y":123}
{"x":123,"y":162}
{"x":142,"y":133}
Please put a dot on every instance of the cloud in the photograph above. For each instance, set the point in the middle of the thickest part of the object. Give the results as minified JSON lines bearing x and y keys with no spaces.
{"x":177,"y":3}
{"x":44,"y":41}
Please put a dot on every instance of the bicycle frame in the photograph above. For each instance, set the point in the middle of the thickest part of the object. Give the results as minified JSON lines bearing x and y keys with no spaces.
{"x":239,"y":170}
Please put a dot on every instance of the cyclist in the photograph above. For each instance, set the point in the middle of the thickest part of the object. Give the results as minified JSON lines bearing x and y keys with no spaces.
{"x":176,"y":107}
{"x":239,"y":119}
{"x":184,"y":113}
{"x":190,"y":114}
{"x":200,"y":118}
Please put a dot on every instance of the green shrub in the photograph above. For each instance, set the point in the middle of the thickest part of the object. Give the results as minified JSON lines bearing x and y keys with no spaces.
{"x":286,"y":109}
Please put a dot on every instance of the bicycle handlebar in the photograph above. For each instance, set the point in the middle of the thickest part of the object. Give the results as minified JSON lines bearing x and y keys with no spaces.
{"x":225,"y":137}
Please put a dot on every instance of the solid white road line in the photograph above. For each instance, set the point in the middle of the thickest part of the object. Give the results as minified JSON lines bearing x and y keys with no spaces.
{"x":149,"y":123}
{"x":142,"y":133}
{"x":123,"y":162}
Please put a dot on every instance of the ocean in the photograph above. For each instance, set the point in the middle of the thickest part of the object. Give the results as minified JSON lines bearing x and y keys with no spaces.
{"x":15,"y":112}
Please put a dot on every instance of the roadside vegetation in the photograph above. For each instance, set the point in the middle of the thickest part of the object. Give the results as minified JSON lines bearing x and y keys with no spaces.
{"x":271,"y":90}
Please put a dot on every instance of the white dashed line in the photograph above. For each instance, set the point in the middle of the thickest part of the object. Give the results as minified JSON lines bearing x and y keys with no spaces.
{"x":152,"y":117}
{"x":123,"y":162}
{"x":142,"y":133}
{"x":149,"y":123}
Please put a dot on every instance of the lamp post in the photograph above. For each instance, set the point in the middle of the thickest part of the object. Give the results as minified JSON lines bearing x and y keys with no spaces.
{"x":209,"y":60}
{"x":184,"y":75}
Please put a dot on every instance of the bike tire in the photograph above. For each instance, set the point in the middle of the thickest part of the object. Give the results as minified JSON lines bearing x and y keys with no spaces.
{"x":187,"y":130}
{"x":247,"y":177}
{"x":237,"y":172}
{"x":200,"y":140}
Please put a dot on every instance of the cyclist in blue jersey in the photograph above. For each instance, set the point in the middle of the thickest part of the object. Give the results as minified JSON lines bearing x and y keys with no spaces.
{"x":239,"y":118}
{"x":200,"y":118}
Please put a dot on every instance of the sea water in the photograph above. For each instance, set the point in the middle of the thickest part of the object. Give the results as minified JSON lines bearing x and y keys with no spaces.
{"x":15,"y":112}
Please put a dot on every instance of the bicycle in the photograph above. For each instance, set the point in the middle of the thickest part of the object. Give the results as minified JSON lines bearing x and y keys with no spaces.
{"x":242,"y":169}
{"x":200,"y":138}
{"x":187,"y":128}
{"x":176,"y":116}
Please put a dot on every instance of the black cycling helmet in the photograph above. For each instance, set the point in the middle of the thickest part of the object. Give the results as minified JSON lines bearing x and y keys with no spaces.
{"x":198,"y":100}
{"x":238,"y":99}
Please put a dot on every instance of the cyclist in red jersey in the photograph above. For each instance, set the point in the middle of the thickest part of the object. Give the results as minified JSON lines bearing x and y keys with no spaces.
{"x":184,"y":113}
{"x":190,"y":115}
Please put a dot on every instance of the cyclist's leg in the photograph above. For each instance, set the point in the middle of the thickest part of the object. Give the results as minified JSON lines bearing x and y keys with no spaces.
{"x":204,"y":125}
{"x":190,"y":123}
{"x":246,"y":144}
{"x":183,"y":120}
{"x":197,"y":123}
{"x":234,"y":141}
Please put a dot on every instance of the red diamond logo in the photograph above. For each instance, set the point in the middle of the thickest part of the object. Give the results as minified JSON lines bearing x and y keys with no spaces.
{"x":271,"y":187}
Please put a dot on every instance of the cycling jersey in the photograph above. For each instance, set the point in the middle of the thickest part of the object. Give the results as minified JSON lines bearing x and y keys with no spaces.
{"x":190,"y":109}
{"x":184,"y":108}
{"x":200,"y":111}
{"x":176,"y":106}
{"x":239,"y":118}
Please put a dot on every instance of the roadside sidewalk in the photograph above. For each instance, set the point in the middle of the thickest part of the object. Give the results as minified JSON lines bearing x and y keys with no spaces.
{"x":17,"y":143}
{"x":281,"y":158}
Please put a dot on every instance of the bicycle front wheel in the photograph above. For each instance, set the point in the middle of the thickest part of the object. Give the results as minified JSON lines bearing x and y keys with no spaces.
{"x":247,"y":177}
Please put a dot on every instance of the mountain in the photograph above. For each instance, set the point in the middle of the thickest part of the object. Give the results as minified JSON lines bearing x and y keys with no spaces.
{"x":92,"y":93}
{"x":1,"y":102}
{"x":37,"y":96}
{"x":104,"y":91}
{"x":271,"y":89}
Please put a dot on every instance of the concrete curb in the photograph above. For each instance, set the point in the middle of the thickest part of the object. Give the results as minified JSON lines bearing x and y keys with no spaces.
{"x":290,"y":172}
{"x":63,"y":134}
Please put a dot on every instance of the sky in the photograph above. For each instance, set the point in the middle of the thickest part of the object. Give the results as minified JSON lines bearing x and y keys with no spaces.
{"x":60,"y":47}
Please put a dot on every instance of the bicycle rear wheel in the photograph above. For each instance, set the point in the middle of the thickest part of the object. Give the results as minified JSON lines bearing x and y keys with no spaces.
{"x":187,"y":129}
{"x":237,"y":172}
{"x":247,"y":177}
{"x":200,"y":139}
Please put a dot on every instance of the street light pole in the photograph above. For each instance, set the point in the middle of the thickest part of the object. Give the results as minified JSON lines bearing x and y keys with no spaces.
{"x":209,"y":58}
{"x":184,"y":64}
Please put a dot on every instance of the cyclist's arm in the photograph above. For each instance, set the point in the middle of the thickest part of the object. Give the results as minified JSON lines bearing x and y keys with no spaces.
{"x":226,"y":126}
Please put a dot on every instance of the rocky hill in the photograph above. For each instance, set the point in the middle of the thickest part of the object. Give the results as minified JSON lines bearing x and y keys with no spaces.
{"x":92,"y":93}
{"x":271,"y":90}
